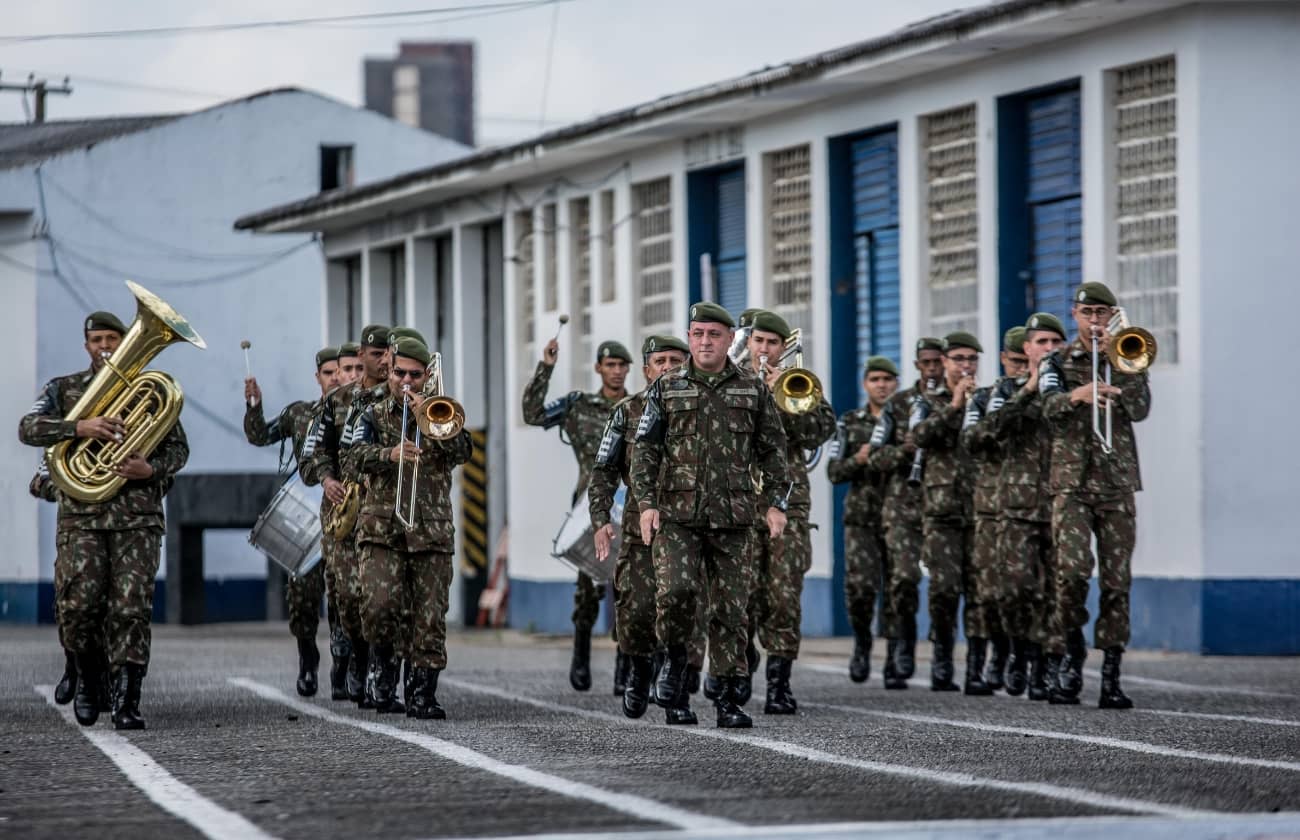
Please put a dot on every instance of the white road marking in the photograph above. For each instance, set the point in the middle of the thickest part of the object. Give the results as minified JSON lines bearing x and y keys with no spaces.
{"x":966,"y":780}
{"x":165,"y":790}
{"x":1098,"y":740}
{"x":627,"y":803}
{"x":1211,"y":716}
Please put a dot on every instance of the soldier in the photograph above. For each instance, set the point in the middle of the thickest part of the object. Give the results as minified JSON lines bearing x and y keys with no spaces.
{"x":702,"y":428}
{"x":109,"y":551}
{"x":406,"y":571}
{"x":581,"y":418}
{"x":948,"y":484}
{"x":982,"y":619}
{"x":322,"y":464}
{"x":350,"y":367}
{"x":634,"y":573}
{"x":866,"y":563}
{"x":1025,"y":533}
{"x":901,"y":514}
{"x":775,"y":610}
{"x":1092,"y":493}
{"x":302,"y":592}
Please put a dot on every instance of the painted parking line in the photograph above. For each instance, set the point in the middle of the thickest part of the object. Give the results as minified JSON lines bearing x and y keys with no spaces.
{"x":965,"y":780}
{"x":1211,"y":716}
{"x":1096,"y":740}
{"x":627,"y":803}
{"x":163,"y":789}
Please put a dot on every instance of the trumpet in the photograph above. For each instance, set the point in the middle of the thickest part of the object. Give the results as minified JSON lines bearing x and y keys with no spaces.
{"x":1130,"y":350}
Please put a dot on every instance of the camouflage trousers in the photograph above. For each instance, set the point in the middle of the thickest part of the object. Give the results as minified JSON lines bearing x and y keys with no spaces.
{"x":302,"y":594}
{"x":903,"y":542}
{"x":348,"y":595}
{"x":983,"y":583}
{"x":776,"y":604}
{"x":586,"y":601}
{"x":1025,"y":596}
{"x":690,"y":562}
{"x":946,"y":554}
{"x":1076,"y":518}
{"x":62,"y":560}
{"x":634,"y":602}
{"x":406,"y":600}
{"x":866,"y":577}
{"x":105,"y":596}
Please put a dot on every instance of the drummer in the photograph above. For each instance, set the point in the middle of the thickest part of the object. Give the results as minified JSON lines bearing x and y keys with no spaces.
{"x":303,"y":593}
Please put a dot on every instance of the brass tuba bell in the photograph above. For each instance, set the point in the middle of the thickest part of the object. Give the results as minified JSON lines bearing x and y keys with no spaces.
{"x":147,"y":401}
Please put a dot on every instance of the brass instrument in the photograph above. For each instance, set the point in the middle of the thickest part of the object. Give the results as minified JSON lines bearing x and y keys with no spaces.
{"x":440,"y":417}
{"x":1130,"y":350}
{"x":342,"y":518}
{"x":147,"y":401}
{"x":797,"y":390}
{"x":739,"y":350}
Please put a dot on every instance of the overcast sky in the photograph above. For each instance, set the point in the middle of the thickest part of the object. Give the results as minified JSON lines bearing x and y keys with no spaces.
{"x":608,"y":53}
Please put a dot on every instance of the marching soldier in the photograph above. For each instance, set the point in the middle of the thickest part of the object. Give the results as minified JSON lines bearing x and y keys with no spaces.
{"x":302,"y":592}
{"x":702,"y":428}
{"x":406,"y":571}
{"x":1025,"y":535}
{"x":866,"y":562}
{"x":581,"y":418}
{"x":983,"y":622}
{"x":322,"y":464}
{"x":947,"y":480}
{"x":780,"y":562}
{"x":901,"y":515}
{"x":634,"y":572}
{"x":1092,"y":497}
{"x":109,"y":551}
{"x":350,"y":367}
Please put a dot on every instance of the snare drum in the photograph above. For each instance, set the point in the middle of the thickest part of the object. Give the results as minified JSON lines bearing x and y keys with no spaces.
{"x":289,"y":531}
{"x":575,"y":545}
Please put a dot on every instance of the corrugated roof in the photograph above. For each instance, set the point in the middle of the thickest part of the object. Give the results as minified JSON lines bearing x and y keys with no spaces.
{"x":26,"y":143}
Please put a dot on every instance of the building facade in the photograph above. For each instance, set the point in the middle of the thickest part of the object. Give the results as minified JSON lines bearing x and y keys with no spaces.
{"x":957,"y":174}
{"x":428,"y":85}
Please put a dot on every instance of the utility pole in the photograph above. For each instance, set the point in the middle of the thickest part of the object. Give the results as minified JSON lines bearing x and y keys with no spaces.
{"x":41,"y":88}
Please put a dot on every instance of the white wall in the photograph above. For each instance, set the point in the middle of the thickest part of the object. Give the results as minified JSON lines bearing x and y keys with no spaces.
{"x":18,"y":385}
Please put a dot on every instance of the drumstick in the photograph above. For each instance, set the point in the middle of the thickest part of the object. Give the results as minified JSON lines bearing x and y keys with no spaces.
{"x":248,"y":365}
{"x":564,"y":319}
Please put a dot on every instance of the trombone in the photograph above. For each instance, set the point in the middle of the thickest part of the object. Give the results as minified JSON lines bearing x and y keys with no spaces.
{"x":797,"y":390}
{"x":1130,"y":350}
{"x":439,"y":418}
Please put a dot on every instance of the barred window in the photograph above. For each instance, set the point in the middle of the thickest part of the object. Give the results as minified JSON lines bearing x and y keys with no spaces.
{"x":580,"y":293}
{"x":788,"y":181}
{"x":652,"y":250}
{"x":948,"y":140}
{"x":608,"y":280}
{"x":550,"y":271}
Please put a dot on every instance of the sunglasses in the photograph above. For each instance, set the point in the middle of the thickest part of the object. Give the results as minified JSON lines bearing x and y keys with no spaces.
{"x":403,"y":373}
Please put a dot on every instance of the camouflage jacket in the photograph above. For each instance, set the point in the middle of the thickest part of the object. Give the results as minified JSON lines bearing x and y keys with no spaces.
{"x":291,"y":425}
{"x":862,"y":505}
{"x":1078,"y":463}
{"x":614,"y":464}
{"x":375,"y":430}
{"x":695,"y":443}
{"x":979,"y":439}
{"x":139,"y":504}
{"x":1026,"y":443}
{"x":803,"y":432}
{"x":42,"y":487}
{"x":322,"y":456}
{"x":902,"y":501}
{"x":949,"y":470}
{"x":581,"y":418}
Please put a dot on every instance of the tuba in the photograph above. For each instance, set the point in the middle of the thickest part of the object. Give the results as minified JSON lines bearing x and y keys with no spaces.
{"x":148,"y":402}
{"x":342,"y":518}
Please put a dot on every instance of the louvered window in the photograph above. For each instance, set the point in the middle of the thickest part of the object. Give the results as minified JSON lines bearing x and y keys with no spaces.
{"x":952,"y":247}
{"x":580,"y":294}
{"x":524,"y":294}
{"x":789,"y":238}
{"x":652,"y":249}
{"x":550,"y":272}
{"x":608,"y":280}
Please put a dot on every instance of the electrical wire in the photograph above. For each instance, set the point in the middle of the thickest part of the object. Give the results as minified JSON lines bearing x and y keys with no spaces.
{"x":76,"y":256}
{"x":550,"y":59}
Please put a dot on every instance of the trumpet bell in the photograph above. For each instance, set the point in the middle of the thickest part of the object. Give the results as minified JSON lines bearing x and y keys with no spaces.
{"x":441,"y":418}
{"x":1131,"y":350}
{"x":797,"y":391}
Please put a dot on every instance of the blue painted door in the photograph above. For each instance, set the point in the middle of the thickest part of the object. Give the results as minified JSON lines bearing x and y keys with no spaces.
{"x":875,"y":229}
{"x":729,"y":256}
{"x":1054,"y":202}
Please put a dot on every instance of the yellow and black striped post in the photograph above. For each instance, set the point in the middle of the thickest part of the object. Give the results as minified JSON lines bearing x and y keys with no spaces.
{"x":473,"y":516}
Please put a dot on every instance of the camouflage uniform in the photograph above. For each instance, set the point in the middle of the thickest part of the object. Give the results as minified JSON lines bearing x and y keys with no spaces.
{"x":985,"y":572}
{"x":581,"y":418}
{"x":41,"y":487}
{"x":695,"y":443}
{"x":303,"y":593}
{"x":866,"y":563}
{"x":108,"y":551}
{"x":406,"y":572}
{"x":1093,"y":495}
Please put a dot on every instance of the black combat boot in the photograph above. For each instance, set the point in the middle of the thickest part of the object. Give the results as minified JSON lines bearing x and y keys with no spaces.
{"x":692,"y":679}
{"x":1070,"y":676}
{"x":994,"y":675}
{"x":422,"y":702}
{"x":779,"y":699}
{"x":905,"y":654}
{"x":941,"y":662}
{"x":893,"y":681}
{"x":67,"y":687}
{"x":636,"y":697}
{"x":308,"y":662}
{"x":672,"y":678}
{"x":712,"y":687}
{"x":680,"y":712}
{"x":1038,"y":680}
{"x":404,"y":677}
{"x":1112,"y":696}
{"x":381,"y":682}
{"x":580,"y":665}
{"x":860,"y":661}
{"x":1018,"y":668}
{"x":126,"y":697}
{"x":1055,"y":666}
{"x":341,"y":655}
{"x":88,"y":698}
{"x":745,"y":688}
{"x":621,"y":667}
{"x":975,"y":686}
{"x":356,"y":680}
{"x":730,"y":714}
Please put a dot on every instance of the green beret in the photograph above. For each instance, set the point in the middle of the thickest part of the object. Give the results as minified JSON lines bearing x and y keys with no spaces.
{"x":375,"y":335}
{"x":711,"y":313}
{"x":928,"y":343}
{"x":659,"y":343}
{"x":772,"y":323}
{"x":1013,"y":340}
{"x":326,"y":354}
{"x":961,"y":338}
{"x":405,"y":332}
{"x":1095,"y":293}
{"x":612,"y":350}
{"x":104,"y":321}
{"x":1045,"y":321}
{"x":349,"y":348}
{"x":881,"y":363}
{"x":414,"y":349}
{"x":747,"y":317}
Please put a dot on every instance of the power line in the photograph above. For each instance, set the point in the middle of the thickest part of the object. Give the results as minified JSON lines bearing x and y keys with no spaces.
{"x":550,"y":59}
